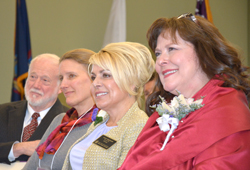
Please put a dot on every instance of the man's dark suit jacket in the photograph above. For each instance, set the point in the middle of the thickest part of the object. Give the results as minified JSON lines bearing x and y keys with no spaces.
{"x":11,"y":125}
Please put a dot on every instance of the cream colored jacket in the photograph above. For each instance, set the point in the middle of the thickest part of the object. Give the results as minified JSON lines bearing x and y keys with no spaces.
{"x":125,"y":134}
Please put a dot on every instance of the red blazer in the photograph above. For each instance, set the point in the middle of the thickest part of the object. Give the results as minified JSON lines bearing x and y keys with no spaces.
{"x":217,"y":136}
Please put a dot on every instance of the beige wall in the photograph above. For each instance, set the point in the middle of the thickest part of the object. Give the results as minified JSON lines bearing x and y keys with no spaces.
{"x":57,"y":26}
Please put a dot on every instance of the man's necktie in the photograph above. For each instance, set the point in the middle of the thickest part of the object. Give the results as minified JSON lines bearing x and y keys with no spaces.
{"x":30,"y":129}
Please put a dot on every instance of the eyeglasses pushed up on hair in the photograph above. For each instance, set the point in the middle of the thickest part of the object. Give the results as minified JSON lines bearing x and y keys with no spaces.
{"x":189,"y":16}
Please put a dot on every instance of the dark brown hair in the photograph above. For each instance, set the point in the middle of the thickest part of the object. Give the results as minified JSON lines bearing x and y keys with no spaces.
{"x":216,"y":56}
{"x":153,"y":98}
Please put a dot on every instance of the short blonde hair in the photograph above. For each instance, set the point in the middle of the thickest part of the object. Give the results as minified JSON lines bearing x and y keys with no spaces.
{"x":131,"y":65}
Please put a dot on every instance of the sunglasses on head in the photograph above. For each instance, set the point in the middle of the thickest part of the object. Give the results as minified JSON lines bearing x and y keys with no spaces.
{"x":189,"y":16}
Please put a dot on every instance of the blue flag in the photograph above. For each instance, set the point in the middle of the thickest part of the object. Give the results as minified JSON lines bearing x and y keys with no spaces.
{"x":22,"y":51}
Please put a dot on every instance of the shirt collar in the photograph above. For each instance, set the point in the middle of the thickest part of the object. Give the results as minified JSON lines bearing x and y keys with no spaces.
{"x":42,"y":113}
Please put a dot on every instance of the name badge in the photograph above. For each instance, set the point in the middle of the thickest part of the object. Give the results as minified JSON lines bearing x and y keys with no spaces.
{"x":104,"y":142}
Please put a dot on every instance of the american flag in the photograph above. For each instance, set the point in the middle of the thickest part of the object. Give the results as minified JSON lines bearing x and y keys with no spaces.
{"x":203,"y":9}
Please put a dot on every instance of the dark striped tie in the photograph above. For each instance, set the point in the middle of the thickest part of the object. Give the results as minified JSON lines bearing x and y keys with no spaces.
{"x":30,"y":129}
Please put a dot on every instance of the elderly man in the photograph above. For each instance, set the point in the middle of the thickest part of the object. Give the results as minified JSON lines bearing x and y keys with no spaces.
{"x":23,"y":123}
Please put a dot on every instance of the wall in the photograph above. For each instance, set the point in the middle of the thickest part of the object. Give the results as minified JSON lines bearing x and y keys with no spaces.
{"x":57,"y":26}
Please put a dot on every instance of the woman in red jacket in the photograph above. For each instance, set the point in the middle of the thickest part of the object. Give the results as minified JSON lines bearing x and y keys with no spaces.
{"x":207,"y":124}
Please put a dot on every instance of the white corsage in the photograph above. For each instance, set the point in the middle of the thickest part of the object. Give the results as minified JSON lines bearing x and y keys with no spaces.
{"x":98,"y":116}
{"x":172,"y":112}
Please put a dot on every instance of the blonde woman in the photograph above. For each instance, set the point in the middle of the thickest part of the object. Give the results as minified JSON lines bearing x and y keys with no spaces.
{"x":119,"y":72}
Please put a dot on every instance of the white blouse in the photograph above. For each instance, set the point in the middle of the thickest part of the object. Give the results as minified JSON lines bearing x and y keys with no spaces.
{"x":78,"y":151}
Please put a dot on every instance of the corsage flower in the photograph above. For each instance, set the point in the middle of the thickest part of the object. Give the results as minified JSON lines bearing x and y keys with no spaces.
{"x":171,"y":113}
{"x":98,"y":116}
